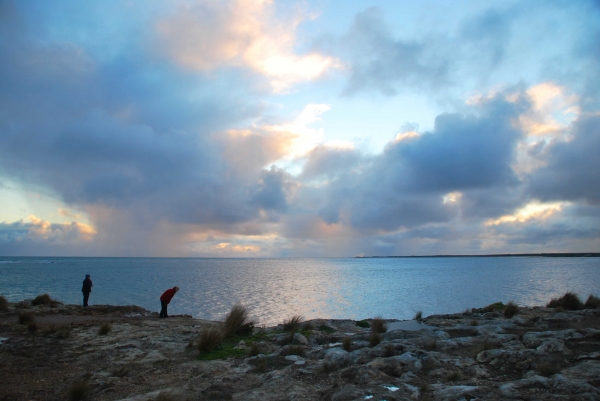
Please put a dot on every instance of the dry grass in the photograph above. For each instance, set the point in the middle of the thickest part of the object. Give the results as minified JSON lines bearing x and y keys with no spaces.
{"x":374,"y":338}
{"x":210,"y":339}
{"x":23,"y":304}
{"x":255,"y":349}
{"x":120,"y":372}
{"x":347,"y":344}
{"x":105,"y":329}
{"x":418,"y":316}
{"x":3,"y":303}
{"x":78,"y":390}
{"x":592,"y":302}
{"x":308,"y":326}
{"x":510,"y":310}
{"x":32,"y":326}
{"x":389,"y":350}
{"x":44,"y":299}
{"x":569,"y":301}
{"x":378,"y":325}
{"x":238,"y":322}
{"x":293,"y":323}
{"x":474,"y":322}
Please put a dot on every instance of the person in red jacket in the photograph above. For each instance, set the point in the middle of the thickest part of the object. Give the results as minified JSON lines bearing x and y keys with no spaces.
{"x":165,"y":298}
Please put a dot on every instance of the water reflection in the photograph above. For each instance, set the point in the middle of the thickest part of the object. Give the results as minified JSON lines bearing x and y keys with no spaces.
{"x":276,"y":289}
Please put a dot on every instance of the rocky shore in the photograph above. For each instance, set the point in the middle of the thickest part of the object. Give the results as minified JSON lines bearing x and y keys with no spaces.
{"x":57,"y":352}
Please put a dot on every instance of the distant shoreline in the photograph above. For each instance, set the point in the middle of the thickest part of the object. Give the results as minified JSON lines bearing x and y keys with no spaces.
{"x":496,"y":255}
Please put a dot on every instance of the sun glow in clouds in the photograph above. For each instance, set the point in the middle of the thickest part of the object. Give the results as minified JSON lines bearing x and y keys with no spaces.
{"x":532,"y":211}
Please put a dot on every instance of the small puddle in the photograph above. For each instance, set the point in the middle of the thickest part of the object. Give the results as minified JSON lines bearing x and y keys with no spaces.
{"x":3,"y":339}
{"x":391,"y":388}
{"x":409,"y":325}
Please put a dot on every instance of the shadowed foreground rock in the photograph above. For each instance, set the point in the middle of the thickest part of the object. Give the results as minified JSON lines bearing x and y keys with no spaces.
{"x":539,"y":354}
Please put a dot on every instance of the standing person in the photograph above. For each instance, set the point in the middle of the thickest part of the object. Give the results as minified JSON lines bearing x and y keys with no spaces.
{"x":165,"y":298}
{"x":86,"y":289}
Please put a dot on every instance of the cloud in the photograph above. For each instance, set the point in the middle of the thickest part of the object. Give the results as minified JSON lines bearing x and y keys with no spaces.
{"x":204,"y":36}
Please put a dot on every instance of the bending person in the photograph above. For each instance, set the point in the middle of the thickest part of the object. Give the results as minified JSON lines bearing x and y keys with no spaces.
{"x":165,"y":299}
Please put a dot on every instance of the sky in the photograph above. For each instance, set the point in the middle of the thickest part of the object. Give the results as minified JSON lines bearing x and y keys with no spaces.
{"x":330,"y":128}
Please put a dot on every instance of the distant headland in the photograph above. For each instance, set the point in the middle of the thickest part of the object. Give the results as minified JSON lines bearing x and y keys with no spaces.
{"x":496,"y":255}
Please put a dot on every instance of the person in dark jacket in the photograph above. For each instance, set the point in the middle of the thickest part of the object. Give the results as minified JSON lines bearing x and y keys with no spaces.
{"x":165,"y":299}
{"x":86,"y":289}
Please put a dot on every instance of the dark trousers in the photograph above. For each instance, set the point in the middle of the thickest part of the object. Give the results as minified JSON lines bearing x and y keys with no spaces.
{"x":86,"y":296}
{"x":163,"y":309}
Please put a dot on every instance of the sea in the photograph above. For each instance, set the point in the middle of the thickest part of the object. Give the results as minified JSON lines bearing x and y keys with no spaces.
{"x":276,"y":289}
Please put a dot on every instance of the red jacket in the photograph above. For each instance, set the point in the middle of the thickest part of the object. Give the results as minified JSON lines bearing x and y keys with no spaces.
{"x":167,"y":295}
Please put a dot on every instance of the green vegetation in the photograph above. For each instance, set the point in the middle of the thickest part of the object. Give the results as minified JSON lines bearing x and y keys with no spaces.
{"x":592,"y":302}
{"x":378,"y":325}
{"x":44,"y":299}
{"x":238,"y":322}
{"x":78,"y":390}
{"x":510,"y":310}
{"x":326,"y":329}
{"x":363,"y":323}
{"x":3,"y":304}
{"x":569,"y":301}
{"x":495,"y":307}
{"x":105,"y":329}
{"x":225,"y":350}
{"x":307,"y":327}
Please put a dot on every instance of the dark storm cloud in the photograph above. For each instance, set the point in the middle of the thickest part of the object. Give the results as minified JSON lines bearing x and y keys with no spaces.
{"x":404,"y":186}
{"x":573,"y":169}
{"x":128,"y":132}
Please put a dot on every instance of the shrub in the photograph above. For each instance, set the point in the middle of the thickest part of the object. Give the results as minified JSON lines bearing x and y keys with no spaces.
{"x":44,"y":299}
{"x":25,"y":318}
{"x":510,"y":309}
{"x":468,"y":311}
{"x":419,"y":316}
{"x":238,"y":322}
{"x":592,"y":302}
{"x":347,"y":344}
{"x":293,"y":324}
{"x":374,"y":338}
{"x":78,"y":390}
{"x":105,"y":329}
{"x":474,"y":322}
{"x":378,"y":325}
{"x":453,"y":376}
{"x":569,"y":301}
{"x":329,"y":367}
{"x":209,"y":339}
{"x":32,"y":326}
{"x":363,"y":323}
{"x":255,"y":349}
{"x":3,"y":303}
{"x":326,"y":329}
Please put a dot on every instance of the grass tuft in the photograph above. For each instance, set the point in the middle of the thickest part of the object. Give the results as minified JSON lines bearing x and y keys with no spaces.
{"x":3,"y":303}
{"x":78,"y":390}
{"x":419,"y":316}
{"x":44,"y":299}
{"x":326,"y":329}
{"x":329,"y":367}
{"x":569,"y":301}
{"x":238,"y":322}
{"x":510,"y":310}
{"x":347,"y":344}
{"x":378,"y":325}
{"x":32,"y":326}
{"x":105,"y":329}
{"x":255,"y":349}
{"x":293,"y":323}
{"x":120,"y":372}
{"x":592,"y":302}
{"x":63,"y":331}
{"x":25,"y":318}
{"x":167,"y":396}
{"x":374,"y":338}
{"x":453,"y":376}
{"x":389,"y":350}
{"x":474,"y":322}
{"x":209,"y":340}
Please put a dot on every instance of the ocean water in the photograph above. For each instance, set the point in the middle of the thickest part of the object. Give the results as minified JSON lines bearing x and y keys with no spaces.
{"x":276,"y":289}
